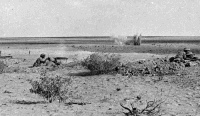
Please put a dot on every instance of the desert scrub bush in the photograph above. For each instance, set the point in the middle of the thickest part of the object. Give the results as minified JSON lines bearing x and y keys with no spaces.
{"x":99,"y":63}
{"x":51,"y":88}
{"x":152,"y":108}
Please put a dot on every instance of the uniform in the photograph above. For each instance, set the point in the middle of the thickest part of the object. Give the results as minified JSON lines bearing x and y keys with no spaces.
{"x":41,"y":60}
{"x":180,"y":57}
{"x":51,"y":62}
{"x":190,"y":56}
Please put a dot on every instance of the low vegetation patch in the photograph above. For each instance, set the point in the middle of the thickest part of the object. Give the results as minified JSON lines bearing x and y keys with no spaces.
{"x":152,"y":108}
{"x":51,"y":88}
{"x":99,"y":63}
{"x":158,"y":67}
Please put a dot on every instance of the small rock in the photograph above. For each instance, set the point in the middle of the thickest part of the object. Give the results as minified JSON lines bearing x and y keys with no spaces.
{"x":138,"y":97}
{"x":7,"y":91}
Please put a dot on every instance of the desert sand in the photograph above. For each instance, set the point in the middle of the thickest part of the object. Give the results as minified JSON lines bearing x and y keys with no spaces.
{"x":101,"y":95}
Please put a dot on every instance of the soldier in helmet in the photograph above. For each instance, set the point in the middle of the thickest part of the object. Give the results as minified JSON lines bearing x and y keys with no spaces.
{"x":50,"y":61}
{"x":40,"y":61}
{"x":178,"y":60}
{"x":180,"y":56}
{"x":191,"y":57}
{"x":186,"y":51}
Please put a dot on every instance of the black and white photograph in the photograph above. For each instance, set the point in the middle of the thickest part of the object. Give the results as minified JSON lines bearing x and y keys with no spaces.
{"x":99,"y":57}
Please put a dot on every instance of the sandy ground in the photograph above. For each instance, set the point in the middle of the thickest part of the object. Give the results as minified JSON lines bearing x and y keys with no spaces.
{"x":101,"y":93}
{"x":22,"y":52}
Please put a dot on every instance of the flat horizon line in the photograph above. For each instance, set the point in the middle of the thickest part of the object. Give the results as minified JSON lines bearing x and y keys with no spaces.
{"x":90,"y":36}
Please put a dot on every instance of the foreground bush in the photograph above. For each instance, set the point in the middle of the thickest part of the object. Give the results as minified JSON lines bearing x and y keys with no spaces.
{"x":99,"y":63}
{"x":51,"y":88}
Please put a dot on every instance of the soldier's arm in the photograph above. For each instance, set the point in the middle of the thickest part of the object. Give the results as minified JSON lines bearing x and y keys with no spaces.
{"x":184,"y":56}
{"x":37,"y":62}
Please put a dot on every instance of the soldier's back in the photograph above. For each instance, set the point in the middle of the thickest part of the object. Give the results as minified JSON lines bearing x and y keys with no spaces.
{"x":180,"y":54}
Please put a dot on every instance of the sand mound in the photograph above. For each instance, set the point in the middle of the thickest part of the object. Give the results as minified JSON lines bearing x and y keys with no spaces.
{"x":159,"y":66}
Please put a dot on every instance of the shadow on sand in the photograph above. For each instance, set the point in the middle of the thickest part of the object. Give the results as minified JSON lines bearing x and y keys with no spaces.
{"x":83,"y":73}
{"x":28,"y":102}
{"x":89,"y":73}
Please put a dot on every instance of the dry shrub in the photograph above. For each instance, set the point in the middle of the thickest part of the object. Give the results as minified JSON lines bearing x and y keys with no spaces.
{"x":51,"y":88}
{"x":152,"y":108}
{"x":99,"y":63}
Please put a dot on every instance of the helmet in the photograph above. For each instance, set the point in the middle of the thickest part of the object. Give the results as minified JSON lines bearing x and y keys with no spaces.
{"x":189,"y":53}
{"x":42,"y":55}
{"x":186,"y":49}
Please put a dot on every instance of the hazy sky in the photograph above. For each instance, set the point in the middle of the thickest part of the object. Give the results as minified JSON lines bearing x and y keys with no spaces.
{"x":99,"y":17}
